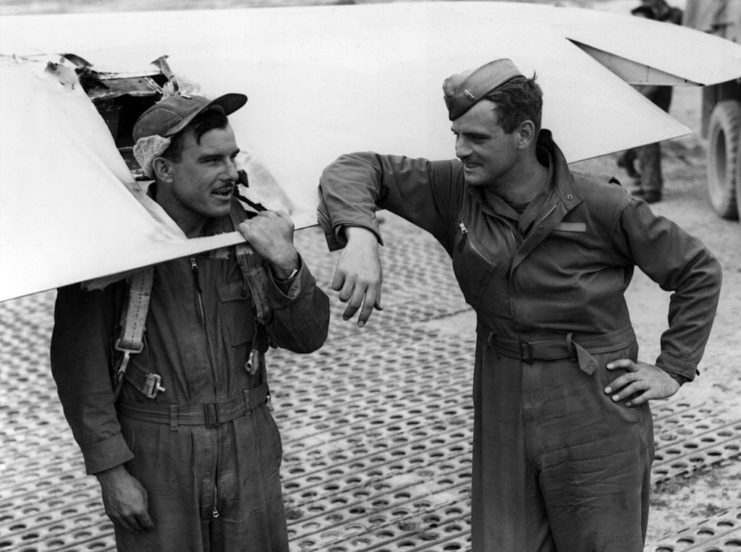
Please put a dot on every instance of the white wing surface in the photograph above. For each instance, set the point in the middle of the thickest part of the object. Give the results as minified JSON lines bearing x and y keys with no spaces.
{"x":321,"y":81}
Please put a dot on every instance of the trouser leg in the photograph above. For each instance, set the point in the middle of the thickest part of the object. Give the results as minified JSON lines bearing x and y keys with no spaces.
{"x":165,"y":464}
{"x":649,"y":160}
{"x":595,"y":461}
{"x":508,"y":513}
{"x":251,"y":511}
{"x":627,"y":160}
{"x":210,"y":490}
{"x":557,"y":465}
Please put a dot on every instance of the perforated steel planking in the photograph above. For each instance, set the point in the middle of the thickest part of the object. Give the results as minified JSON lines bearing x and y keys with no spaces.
{"x":692,"y":437}
{"x":376,"y":426}
{"x":720,"y":533}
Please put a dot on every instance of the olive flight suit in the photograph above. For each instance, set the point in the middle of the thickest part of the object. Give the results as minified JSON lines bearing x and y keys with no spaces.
{"x":557,"y":465}
{"x":207,"y":449}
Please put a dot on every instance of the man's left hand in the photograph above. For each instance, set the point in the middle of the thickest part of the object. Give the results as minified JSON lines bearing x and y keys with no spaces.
{"x":270,"y":234}
{"x":640,"y":383}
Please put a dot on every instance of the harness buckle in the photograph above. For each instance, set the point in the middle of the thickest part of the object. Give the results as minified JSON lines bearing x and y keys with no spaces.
{"x":526,"y":352}
{"x":121,"y":370}
{"x":126,"y":352}
{"x":119,"y":346}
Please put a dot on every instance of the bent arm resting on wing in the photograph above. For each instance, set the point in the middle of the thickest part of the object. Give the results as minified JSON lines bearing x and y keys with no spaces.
{"x":352,"y":188}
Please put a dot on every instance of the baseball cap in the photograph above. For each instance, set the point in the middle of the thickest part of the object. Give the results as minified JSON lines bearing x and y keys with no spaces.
{"x":463,"y":90}
{"x":173,"y":113}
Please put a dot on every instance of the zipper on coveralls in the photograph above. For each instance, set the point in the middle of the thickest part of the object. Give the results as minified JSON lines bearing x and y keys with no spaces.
{"x":462,"y":244}
{"x":202,"y":315}
{"x":464,"y":234}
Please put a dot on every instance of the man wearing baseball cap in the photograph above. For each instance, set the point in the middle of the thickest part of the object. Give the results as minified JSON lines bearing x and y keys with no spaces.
{"x":562,"y":438}
{"x":183,"y":443}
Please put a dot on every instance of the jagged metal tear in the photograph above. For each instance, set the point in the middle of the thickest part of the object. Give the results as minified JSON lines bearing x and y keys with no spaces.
{"x":634,"y":72}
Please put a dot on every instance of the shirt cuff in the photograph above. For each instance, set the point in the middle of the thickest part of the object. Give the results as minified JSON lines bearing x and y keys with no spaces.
{"x":288,"y":290}
{"x":682,"y":372}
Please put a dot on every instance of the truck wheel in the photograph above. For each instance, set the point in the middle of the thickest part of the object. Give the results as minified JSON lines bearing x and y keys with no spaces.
{"x":723,"y":145}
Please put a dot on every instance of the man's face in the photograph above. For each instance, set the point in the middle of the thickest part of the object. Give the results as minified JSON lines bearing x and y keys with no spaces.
{"x":202,"y":182}
{"x":487,"y":152}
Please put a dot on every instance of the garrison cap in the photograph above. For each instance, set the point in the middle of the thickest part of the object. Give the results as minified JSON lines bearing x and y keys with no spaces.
{"x":463,"y":90}
{"x":172,"y":114}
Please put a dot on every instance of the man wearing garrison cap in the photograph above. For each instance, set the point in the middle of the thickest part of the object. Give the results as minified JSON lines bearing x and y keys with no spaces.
{"x":563,"y":441}
{"x":182,"y":442}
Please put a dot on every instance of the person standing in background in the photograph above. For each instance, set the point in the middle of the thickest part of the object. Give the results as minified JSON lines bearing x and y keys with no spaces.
{"x":647,"y":178}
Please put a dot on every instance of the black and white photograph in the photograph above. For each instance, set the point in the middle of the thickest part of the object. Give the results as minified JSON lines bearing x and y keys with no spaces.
{"x":370,"y":276}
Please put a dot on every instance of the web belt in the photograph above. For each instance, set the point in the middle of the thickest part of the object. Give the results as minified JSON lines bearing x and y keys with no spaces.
{"x":566,"y":346}
{"x":210,"y":415}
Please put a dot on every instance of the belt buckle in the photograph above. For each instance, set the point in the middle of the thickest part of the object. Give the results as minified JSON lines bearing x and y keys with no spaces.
{"x":211,"y":415}
{"x":526,"y":352}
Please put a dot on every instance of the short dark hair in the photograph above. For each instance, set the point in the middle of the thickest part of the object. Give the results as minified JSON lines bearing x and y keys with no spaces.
{"x":518,"y":100}
{"x":205,"y":121}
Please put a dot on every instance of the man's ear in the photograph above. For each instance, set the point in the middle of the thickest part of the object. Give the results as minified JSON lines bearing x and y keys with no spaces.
{"x":162,"y":169}
{"x":526,"y":134}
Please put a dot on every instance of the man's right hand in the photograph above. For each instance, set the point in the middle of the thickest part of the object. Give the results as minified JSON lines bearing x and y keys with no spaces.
{"x":358,"y":275}
{"x":125,"y":500}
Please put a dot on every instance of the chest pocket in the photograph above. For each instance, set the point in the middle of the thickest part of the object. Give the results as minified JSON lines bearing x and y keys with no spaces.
{"x":472,"y":266}
{"x":236,"y":316}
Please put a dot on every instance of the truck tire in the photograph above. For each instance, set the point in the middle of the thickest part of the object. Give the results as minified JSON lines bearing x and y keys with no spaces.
{"x":722,"y":157}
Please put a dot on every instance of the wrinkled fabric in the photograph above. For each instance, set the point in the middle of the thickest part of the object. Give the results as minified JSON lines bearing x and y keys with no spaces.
{"x":210,"y":489}
{"x":567,"y":275}
{"x":234,"y":469}
{"x":557,"y":466}
{"x":147,"y":149}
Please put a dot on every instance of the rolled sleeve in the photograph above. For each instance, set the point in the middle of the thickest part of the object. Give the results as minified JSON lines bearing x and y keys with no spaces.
{"x":106,"y":454}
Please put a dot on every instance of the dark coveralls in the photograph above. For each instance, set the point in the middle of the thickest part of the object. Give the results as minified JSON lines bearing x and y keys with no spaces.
{"x":213,"y":485}
{"x":557,"y":465}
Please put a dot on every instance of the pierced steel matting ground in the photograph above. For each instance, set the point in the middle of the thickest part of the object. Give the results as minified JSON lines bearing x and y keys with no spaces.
{"x":376,"y":426}
{"x":721,"y":533}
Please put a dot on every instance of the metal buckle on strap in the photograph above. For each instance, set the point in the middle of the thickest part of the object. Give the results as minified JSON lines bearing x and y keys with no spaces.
{"x":526,"y":352}
{"x":152,"y":386}
{"x":211,"y":415}
{"x":126,"y":357}
{"x":119,"y":346}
